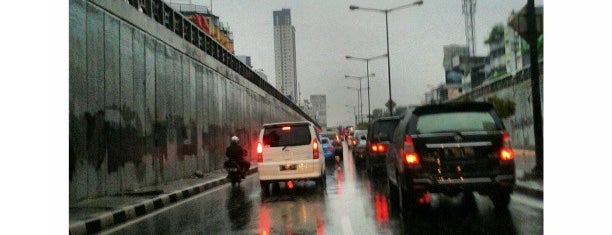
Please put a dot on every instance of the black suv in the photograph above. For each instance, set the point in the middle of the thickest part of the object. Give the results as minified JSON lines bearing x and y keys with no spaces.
{"x":380,"y":132}
{"x":450,"y":148}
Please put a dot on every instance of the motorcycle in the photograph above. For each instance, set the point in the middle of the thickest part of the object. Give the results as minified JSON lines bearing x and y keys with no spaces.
{"x":234,"y":173}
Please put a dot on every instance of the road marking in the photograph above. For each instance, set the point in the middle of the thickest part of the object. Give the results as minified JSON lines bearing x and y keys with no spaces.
{"x":346,"y":225}
{"x":163,"y":209}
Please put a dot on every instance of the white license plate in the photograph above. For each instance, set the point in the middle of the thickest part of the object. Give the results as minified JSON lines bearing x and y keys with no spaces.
{"x":287,"y":167}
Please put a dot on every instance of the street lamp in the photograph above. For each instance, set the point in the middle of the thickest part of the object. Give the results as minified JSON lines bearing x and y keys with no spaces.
{"x":354,"y":113}
{"x":358,"y":100}
{"x":367,"y":60}
{"x":360,"y":103}
{"x":386,"y":11}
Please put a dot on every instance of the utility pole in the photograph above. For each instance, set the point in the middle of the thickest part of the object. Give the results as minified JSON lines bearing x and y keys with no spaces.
{"x":536,"y":100}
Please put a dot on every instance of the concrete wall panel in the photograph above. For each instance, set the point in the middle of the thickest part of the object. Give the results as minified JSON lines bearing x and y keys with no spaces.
{"x":147,"y":107}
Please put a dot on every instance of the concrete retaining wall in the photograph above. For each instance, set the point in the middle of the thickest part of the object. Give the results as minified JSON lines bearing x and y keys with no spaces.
{"x":147,"y":107}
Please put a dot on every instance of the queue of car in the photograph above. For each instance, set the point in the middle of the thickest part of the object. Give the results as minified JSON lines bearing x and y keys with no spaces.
{"x":444,"y":148}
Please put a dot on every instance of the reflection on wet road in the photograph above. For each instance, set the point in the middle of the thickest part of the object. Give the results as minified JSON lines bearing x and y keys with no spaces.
{"x":353,"y":203}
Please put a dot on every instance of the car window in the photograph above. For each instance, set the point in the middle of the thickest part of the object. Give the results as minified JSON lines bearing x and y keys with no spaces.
{"x":324,"y":140}
{"x":455,"y":121}
{"x":286,"y":136}
{"x":387,"y":127}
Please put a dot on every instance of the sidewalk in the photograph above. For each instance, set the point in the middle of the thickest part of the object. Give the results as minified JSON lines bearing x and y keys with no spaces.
{"x":525,"y":183}
{"x":95,"y":215}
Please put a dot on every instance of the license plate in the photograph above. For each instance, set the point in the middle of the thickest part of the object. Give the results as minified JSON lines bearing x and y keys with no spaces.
{"x":233,"y":169}
{"x":287,"y":167}
{"x":459,"y":153}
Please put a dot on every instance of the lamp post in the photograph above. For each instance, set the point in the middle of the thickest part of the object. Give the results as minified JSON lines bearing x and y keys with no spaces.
{"x":386,"y":11}
{"x":354,"y":113}
{"x":360,"y":102}
{"x":367,"y":60}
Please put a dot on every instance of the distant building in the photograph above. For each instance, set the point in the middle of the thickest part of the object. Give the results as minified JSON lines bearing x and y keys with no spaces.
{"x":497,"y":51}
{"x":202,"y":17}
{"x":285,"y":54}
{"x":261,"y":74}
{"x":319,"y":104}
{"x":245,"y":59}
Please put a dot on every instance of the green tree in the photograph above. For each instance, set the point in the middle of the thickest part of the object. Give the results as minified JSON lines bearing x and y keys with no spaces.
{"x":496,"y":33}
{"x":377,"y":113}
{"x":503,"y":107}
{"x":400,"y":110}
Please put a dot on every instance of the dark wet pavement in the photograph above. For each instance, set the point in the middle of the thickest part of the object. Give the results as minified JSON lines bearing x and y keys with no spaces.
{"x":353,"y":203}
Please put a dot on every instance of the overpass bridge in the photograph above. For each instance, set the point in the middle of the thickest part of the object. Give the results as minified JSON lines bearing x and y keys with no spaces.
{"x":153,"y":99}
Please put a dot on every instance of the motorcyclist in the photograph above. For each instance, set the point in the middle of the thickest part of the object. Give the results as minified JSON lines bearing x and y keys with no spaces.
{"x":236,"y":153}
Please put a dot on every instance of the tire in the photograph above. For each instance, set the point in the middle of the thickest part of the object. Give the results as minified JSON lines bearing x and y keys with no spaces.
{"x":265,"y":187}
{"x":321,"y":181}
{"x":500,"y":200}
{"x":393,"y":196}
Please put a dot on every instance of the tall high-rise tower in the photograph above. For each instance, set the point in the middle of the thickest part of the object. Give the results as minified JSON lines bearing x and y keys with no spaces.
{"x":284,"y":54}
{"x":469,"y":8}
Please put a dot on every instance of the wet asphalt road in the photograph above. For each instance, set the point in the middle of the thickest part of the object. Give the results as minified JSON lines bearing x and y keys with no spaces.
{"x":353,"y":203}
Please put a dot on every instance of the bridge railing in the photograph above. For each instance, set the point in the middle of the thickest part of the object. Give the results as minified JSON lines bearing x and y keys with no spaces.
{"x":184,"y":28}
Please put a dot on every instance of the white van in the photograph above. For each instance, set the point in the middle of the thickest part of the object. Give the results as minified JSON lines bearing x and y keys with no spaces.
{"x":289,"y":151}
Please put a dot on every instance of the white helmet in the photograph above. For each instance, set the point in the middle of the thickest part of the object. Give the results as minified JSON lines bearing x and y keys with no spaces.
{"x":235,"y":139}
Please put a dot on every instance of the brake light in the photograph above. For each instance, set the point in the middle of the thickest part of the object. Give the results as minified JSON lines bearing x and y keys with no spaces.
{"x":410,"y":156}
{"x":378,"y":148}
{"x":506,"y":153}
{"x":259,"y":152}
{"x":286,"y":128}
{"x":315,"y":149}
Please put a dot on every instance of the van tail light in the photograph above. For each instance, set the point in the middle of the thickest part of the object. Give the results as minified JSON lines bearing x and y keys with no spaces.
{"x":410,"y":156}
{"x":506,"y":153}
{"x":315,"y":149}
{"x":378,"y":148}
{"x":259,"y":152}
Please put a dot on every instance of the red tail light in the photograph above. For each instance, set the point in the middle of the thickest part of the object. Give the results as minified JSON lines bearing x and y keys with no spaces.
{"x":378,"y":148}
{"x":411,"y":157}
{"x":259,"y":152}
{"x":506,"y":153}
{"x":315,"y":149}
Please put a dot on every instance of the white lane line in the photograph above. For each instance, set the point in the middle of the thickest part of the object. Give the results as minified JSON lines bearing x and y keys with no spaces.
{"x":346,"y":225}
{"x":163,"y":209}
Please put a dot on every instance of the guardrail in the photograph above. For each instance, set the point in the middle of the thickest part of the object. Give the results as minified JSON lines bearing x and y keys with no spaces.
{"x":184,"y":28}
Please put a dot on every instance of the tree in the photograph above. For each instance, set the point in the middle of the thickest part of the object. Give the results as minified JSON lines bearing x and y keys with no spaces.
{"x":503,"y":107}
{"x":496,"y":34}
{"x":400,"y":110}
{"x":377,"y":113}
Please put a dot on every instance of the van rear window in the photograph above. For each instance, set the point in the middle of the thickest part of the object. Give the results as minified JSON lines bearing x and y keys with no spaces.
{"x":386,"y":127}
{"x":455,"y":121}
{"x":278,"y":136}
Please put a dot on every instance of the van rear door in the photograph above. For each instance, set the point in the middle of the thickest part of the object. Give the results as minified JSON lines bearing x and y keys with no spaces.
{"x":287,"y":143}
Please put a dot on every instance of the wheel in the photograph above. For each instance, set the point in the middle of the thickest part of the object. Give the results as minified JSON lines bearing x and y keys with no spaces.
{"x":500,"y":200}
{"x":321,"y":181}
{"x":393,"y":197}
{"x":265,"y":187}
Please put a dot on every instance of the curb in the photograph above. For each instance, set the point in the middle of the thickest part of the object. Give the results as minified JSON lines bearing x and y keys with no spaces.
{"x":529,"y":191}
{"x":128,"y":213}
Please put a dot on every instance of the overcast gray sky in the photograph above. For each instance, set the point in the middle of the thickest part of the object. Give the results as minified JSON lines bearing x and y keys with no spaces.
{"x":327,"y":31}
